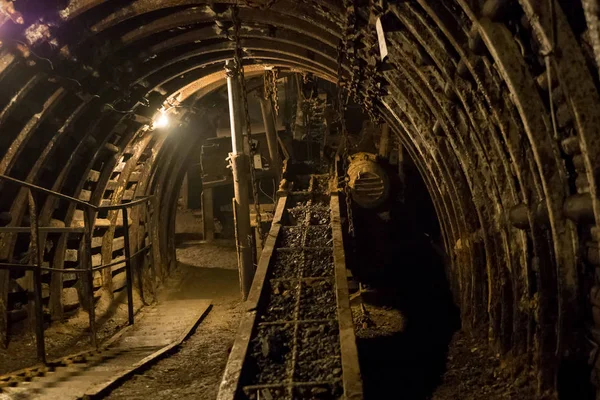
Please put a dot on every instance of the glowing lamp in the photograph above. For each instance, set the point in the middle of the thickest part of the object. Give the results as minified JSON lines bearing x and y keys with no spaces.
{"x":160,"y":121}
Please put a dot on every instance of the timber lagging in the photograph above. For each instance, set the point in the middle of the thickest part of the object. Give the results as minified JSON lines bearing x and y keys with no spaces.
{"x":296,"y":339}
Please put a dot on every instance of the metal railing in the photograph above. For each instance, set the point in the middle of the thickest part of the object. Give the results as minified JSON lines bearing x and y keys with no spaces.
{"x":35,"y":265}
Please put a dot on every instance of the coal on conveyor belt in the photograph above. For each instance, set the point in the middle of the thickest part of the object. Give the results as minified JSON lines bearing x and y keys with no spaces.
{"x":319,"y":236}
{"x":319,"y":214}
{"x":286,"y":263}
{"x":295,"y":351}
{"x":321,"y":184}
{"x":271,"y":354}
{"x":318,"y":263}
{"x":297,"y":209}
{"x":291,"y":236}
{"x":318,"y":300}
{"x":319,"y":356}
{"x":282,"y":301}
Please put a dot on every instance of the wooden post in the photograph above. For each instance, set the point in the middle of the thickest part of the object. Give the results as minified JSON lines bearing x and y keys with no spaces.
{"x":208,"y":214}
{"x":128,"y":272}
{"x":89,"y":215}
{"x":35,"y":260}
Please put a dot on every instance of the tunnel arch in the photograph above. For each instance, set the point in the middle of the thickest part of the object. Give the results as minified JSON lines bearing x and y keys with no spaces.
{"x":465,"y":88}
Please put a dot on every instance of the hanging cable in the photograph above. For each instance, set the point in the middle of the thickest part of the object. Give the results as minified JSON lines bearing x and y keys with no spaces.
{"x":35,"y":54}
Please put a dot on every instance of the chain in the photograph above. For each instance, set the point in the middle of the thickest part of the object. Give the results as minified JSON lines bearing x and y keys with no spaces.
{"x":351,"y":39}
{"x":275,"y":76}
{"x":238,"y":61}
{"x":270,"y":88}
{"x":266,"y":85}
{"x":346,"y":140}
{"x":372,"y":74}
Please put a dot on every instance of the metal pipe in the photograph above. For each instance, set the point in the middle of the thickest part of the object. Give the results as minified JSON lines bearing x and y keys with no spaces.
{"x":240,"y":168}
{"x":266,"y":108}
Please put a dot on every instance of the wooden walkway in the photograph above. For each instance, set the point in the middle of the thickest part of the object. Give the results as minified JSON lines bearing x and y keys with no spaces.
{"x":160,"y":329}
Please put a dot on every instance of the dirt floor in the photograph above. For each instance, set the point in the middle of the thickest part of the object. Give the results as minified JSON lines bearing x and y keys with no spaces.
{"x":195,"y":370}
{"x":396,"y":362}
{"x":392,"y":364}
{"x":474,"y":372}
{"x":218,"y":254}
{"x":399,"y":357}
{"x":69,"y":337}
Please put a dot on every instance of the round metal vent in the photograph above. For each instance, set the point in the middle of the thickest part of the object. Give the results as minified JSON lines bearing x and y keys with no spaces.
{"x":369,"y":184}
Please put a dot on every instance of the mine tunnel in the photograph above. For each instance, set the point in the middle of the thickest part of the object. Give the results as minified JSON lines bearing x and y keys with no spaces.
{"x":299,"y":199}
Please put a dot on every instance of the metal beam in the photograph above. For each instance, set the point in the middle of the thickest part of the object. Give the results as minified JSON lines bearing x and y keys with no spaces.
{"x":240,"y":165}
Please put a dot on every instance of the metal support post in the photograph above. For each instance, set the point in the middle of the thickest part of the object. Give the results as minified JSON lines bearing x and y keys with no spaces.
{"x":36,"y":257}
{"x":240,"y":165}
{"x":271,"y":133}
{"x":128,"y":272}
{"x":89,"y":215}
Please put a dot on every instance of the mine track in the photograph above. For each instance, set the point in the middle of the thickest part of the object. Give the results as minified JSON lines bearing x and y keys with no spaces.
{"x":91,"y":374}
{"x":296,"y":339}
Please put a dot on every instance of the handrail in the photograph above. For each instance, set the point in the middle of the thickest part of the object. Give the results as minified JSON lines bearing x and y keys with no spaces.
{"x":26,"y":267}
{"x":82,"y":203}
{"x":36,"y":267}
{"x":133,"y":203}
{"x":47,"y":191}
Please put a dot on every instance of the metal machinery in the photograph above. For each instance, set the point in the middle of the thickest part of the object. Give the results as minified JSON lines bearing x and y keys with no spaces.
{"x":368,"y":182}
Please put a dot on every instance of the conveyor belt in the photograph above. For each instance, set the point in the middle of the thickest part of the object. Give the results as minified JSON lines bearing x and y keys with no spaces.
{"x":296,"y":339}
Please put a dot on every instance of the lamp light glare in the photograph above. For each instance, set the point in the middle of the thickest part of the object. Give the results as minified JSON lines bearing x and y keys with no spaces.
{"x":161,"y":121}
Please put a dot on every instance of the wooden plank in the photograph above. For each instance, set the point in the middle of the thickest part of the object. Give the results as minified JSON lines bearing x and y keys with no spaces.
{"x":85,"y":195}
{"x":103,"y":388}
{"x":231,"y":378}
{"x":94,"y":175}
{"x":352,"y":381}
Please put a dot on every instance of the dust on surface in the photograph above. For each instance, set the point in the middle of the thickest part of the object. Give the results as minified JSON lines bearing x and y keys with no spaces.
{"x":68,"y":337}
{"x":196,"y":369}
{"x":219,"y":253}
{"x":474,"y":371}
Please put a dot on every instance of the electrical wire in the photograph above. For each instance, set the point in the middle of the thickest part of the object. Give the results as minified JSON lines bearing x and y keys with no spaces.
{"x":263,"y":192}
{"x":34,"y":53}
